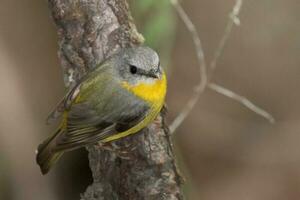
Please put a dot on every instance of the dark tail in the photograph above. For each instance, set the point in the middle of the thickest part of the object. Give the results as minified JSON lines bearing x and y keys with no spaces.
{"x":46,"y":157}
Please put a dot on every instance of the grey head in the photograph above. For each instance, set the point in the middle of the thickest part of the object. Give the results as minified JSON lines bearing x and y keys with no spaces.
{"x":137,"y":64}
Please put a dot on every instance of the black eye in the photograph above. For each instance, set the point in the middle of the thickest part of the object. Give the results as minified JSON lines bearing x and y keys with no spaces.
{"x":133,"y":69}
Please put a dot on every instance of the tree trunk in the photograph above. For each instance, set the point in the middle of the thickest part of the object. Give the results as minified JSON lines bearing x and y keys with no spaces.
{"x":89,"y":32}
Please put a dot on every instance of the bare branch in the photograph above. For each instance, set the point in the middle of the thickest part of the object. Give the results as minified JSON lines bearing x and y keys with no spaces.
{"x":200,"y":87}
{"x":185,"y":111}
{"x":197,"y":44}
{"x":233,"y":20}
{"x":243,"y":100}
{"x":204,"y":79}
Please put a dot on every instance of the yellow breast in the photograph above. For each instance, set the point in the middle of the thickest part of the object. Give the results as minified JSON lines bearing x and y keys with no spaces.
{"x":151,"y":92}
{"x":154,"y":94}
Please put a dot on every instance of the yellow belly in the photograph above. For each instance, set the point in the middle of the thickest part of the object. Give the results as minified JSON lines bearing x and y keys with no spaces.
{"x":154,"y":94}
{"x":150,"y":92}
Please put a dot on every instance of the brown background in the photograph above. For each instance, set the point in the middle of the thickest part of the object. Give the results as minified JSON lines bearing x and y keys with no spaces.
{"x":227,"y":151}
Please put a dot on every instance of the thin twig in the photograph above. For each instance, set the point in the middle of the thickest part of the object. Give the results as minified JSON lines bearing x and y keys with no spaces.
{"x":197,"y":45}
{"x":243,"y":100}
{"x":200,"y":87}
{"x":233,"y":20}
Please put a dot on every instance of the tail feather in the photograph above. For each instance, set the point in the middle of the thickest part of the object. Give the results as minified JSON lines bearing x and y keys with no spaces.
{"x":46,"y":157}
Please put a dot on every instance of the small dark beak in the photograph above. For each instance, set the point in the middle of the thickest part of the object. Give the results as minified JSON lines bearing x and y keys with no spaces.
{"x":153,"y":74}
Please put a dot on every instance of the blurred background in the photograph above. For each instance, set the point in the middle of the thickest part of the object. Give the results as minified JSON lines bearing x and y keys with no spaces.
{"x":225,"y":151}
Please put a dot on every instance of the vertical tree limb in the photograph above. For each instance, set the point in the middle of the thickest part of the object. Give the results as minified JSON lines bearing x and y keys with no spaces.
{"x":90,"y":32}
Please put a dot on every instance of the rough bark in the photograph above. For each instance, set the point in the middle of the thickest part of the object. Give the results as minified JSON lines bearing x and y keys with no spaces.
{"x":89,"y":32}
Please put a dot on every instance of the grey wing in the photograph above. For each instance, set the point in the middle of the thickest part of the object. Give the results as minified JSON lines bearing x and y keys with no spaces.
{"x":64,"y":104}
{"x":88,"y":124}
{"x":68,"y":99}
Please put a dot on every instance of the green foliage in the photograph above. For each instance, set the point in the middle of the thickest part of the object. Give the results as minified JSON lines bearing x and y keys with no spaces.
{"x":157,"y":22}
{"x":5,"y":179}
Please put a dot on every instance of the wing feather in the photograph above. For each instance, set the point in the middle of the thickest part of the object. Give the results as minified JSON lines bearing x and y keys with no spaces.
{"x":88,"y":124}
{"x":97,"y":108}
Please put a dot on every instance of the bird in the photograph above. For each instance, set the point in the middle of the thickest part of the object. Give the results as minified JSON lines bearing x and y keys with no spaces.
{"x":116,"y":99}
